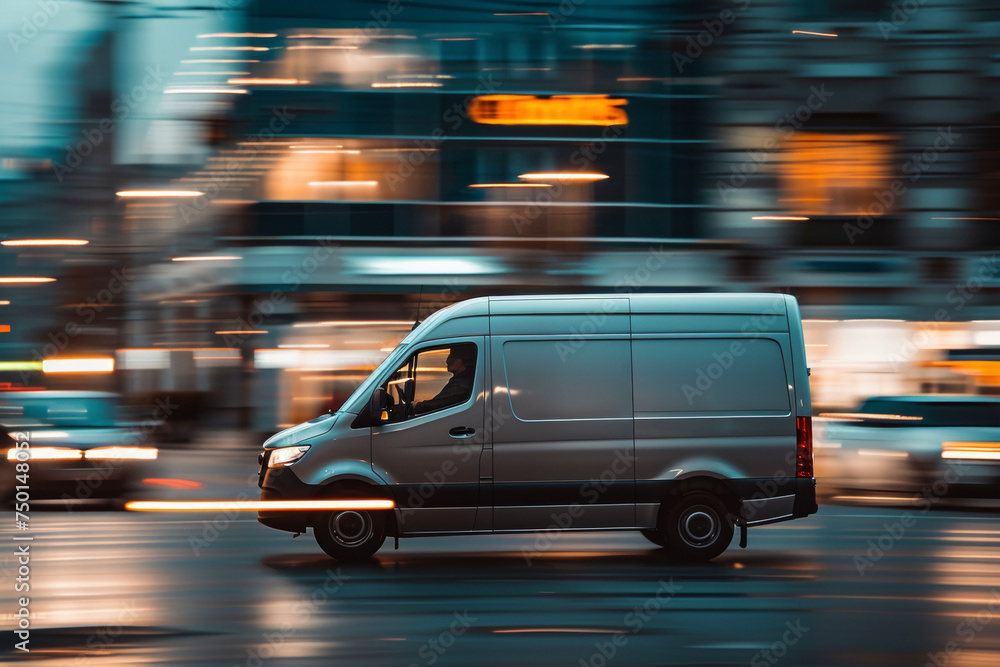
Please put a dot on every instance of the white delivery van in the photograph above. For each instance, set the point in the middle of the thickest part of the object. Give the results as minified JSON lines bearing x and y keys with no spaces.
{"x":679,"y":415}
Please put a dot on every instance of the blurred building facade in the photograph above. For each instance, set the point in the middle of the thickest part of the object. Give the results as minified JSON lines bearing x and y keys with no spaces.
{"x":363,"y":163}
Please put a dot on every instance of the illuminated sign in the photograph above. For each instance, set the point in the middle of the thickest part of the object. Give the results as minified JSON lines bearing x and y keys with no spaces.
{"x":555,"y":110}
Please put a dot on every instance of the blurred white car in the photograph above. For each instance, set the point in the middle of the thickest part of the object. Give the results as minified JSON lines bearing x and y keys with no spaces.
{"x":933,"y":445}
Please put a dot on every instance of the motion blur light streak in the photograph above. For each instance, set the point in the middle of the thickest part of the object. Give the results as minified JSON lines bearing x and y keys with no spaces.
{"x":342,"y":183}
{"x":121,"y":453}
{"x":46,"y":453}
{"x":207,"y":258}
{"x":229,"y":48}
{"x":25,"y":280}
{"x":205,"y":91}
{"x":44,"y":242}
{"x":867,"y":415}
{"x":266,"y":82}
{"x":408,"y":84}
{"x":244,"y":331}
{"x":172,"y":483}
{"x":255,"y":505}
{"x":81,"y":365}
{"x":261,"y":35}
{"x":815,"y":34}
{"x":564,"y":176}
{"x":982,"y":451}
{"x":357,"y":323}
{"x":779,"y":217}
{"x":511,"y":185}
{"x":192,"y":62}
{"x":159,"y":193}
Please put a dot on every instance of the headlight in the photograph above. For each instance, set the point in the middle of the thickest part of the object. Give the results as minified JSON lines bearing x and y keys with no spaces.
{"x":36,"y":453}
{"x":286,"y":456}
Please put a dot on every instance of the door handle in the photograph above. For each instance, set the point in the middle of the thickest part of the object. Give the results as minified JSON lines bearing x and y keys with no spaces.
{"x":462,"y":432}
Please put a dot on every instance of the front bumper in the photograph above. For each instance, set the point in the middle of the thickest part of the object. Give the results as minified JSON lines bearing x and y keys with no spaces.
{"x":284,"y":484}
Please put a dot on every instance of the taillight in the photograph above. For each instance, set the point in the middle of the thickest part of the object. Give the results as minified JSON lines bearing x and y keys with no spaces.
{"x":803,"y":447}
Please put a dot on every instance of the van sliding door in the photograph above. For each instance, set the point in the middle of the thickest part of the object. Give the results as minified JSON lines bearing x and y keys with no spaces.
{"x":562,"y":424}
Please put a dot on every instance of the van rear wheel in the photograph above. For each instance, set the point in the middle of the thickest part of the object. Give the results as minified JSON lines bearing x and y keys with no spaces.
{"x":350,"y":534}
{"x":697,"y":527}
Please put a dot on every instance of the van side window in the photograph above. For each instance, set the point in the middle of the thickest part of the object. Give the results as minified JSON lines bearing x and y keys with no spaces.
{"x":443,"y":377}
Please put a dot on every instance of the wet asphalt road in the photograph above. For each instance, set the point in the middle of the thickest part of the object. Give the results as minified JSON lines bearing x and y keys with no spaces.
{"x":113,"y":588}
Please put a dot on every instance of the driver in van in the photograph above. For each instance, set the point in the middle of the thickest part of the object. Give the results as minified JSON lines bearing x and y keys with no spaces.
{"x":461,"y":363}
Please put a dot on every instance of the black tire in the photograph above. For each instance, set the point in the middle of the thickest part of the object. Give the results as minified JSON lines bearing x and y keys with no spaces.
{"x":697,"y":527}
{"x":350,"y":534}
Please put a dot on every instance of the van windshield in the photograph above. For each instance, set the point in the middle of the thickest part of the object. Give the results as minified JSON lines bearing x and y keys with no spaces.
{"x":361,"y":393}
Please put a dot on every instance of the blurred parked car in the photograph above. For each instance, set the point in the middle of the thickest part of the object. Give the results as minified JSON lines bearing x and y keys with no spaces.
{"x":933,"y":445}
{"x":78,"y":449}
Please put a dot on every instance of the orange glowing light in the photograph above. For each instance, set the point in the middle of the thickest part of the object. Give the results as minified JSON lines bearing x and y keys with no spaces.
{"x":234,"y":332}
{"x":255,"y":505}
{"x":4,"y":328}
{"x":25,"y":280}
{"x":858,"y":416}
{"x":408,"y":84}
{"x":779,"y":217}
{"x":172,"y":483}
{"x":43,"y":242}
{"x":816,"y":34}
{"x":555,"y":110}
{"x":981,"y":451}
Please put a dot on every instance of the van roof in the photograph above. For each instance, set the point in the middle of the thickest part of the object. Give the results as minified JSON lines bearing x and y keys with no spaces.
{"x":745,"y":303}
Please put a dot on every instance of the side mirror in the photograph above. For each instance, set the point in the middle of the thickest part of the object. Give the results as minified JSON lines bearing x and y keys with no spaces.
{"x":409,"y":390}
{"x":378,"y":407}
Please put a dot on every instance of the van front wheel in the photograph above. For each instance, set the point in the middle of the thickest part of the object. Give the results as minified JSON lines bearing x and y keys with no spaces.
{"x":350,"y":534}
{"x":697,"y":527}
